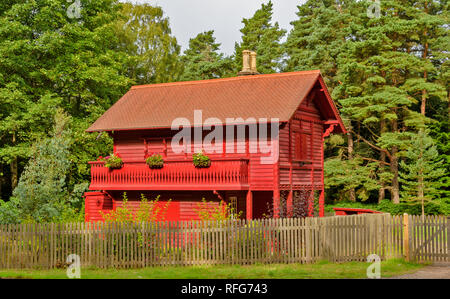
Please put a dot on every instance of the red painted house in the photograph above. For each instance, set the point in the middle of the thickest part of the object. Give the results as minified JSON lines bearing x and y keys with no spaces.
{"x":243,"y":172}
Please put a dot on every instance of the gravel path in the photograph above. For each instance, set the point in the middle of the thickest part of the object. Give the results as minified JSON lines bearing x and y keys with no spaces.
{"x":434,"y":271}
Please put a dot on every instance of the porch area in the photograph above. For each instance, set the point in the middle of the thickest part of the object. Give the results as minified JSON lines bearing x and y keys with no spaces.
{"x":181,"y":174}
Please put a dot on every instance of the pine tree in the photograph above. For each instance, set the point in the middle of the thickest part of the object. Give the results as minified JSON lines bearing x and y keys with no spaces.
{"x":317,"y":38}
{"x":41,"y":193}
{"x":374,"y":68}
{"x":352,"y":175}
{"x":315,"y":42}
{"x":202,"y":59}
{"x":263,"y":37}
{"x":427,"y":41}
{"x":421,"y":171}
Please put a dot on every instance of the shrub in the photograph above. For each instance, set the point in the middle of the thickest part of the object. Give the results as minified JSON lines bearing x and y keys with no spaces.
{"x":201,"y":160}
{"x":155,"y":161}
{"x":148,"y":211}
{"x":210,"y":211}
{"x":431,"y":208}
{"x":300,"y":202}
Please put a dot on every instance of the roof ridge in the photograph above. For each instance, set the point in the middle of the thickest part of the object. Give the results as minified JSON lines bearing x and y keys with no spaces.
{"x":195,"y":82}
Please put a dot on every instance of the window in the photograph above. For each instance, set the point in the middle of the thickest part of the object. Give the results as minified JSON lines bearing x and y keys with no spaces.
{"x":301,"y":150}
{"x":155,"y":146}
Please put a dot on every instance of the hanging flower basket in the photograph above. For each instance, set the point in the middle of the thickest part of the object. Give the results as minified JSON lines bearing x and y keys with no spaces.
{"x":155,"y":161}
{"x":201,"y":160}
{"x":113,"y":161}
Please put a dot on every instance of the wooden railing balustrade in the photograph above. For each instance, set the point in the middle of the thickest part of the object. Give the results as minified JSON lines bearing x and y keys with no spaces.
{"x":223,"y":174}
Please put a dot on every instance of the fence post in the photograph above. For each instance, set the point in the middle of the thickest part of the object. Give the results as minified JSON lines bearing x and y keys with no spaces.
{"x":406,"y":236}
{"x":308,"y":239}
{"x":448,"y":238}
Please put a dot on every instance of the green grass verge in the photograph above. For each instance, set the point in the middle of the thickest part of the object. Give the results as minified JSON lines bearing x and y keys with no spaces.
{"x":319,"y":270}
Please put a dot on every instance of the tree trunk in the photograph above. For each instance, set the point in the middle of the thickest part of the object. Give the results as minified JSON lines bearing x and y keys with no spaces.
{"x":425,"y":74}
{"x":352,"y":193}
{"x":1,"y":180}
{"x":394,"y":169}
{"x":424,"y":91}
{"x":14,"y":173}
{"x":424,"y":97}
{"x":14,"y":167}
{"x":382,"y":191}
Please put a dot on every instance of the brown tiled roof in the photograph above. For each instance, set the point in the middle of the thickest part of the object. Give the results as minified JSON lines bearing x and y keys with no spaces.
{"x":258,"y":96}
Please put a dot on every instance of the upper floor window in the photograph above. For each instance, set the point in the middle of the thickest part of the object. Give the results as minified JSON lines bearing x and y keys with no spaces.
{"x":155,"y":146}
{"x":302,"y":147}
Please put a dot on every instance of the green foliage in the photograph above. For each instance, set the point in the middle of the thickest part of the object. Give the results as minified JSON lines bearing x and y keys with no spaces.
{"x":431,"y":208}
{"x":421,"y":171}
{"x":386,"y":78}
{"x":345,"y":175}
{"x":389,"y":77}
{"x":212,"y":211}
{"x":201,"y":160}
{"x":155,"y":161}
{"x":51,"y":61}
{"x":317,"y":38}
{"x":42,"y":194}
{"x":148,"y":211}
{"x":263,"y":37}
{"x":144,"y":34}
{"x":202,"y":59}
{"x":113,"y":161}
{"x":439,"y":131}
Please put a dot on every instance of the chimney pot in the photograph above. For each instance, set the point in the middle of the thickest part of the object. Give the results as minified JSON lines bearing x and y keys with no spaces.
{"x":253,"y":62}
{"x":248,"y":63}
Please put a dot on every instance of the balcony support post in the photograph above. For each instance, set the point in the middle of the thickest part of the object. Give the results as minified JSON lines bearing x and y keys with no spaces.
{"x":249,"y":205}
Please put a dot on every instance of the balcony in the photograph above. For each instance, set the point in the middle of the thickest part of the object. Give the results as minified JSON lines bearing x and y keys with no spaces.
{"x":223,"y":174}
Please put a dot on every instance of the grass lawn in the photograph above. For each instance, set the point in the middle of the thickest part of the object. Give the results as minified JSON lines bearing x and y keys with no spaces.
{"x":319,"y":270}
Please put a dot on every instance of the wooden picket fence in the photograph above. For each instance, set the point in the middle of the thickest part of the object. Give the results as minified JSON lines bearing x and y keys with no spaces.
{"x":307,"y":240}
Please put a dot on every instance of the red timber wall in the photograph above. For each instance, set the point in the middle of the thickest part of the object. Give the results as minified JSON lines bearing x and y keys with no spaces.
{"x":134,"y":146}
{"x":181,"y":205}
{"x":306,"y":171}
{"x":94,"y":202}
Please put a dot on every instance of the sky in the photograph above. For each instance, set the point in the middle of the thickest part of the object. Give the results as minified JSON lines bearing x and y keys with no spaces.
{"x":190,"y":17}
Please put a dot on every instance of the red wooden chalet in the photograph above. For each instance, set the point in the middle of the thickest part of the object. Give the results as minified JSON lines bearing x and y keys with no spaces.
{"x":141,"y":125}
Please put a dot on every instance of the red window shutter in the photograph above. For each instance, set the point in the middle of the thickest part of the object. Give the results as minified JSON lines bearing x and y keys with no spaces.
{"x":297,"y":147}
{"x":304,"y":155}
{"x":301,"y":146}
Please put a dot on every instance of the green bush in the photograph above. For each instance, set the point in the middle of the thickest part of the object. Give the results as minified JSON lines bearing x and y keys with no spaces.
{"x":432,"y":208}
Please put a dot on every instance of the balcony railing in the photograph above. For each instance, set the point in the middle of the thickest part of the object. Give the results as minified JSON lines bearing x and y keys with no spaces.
{"x":223,"y":174}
